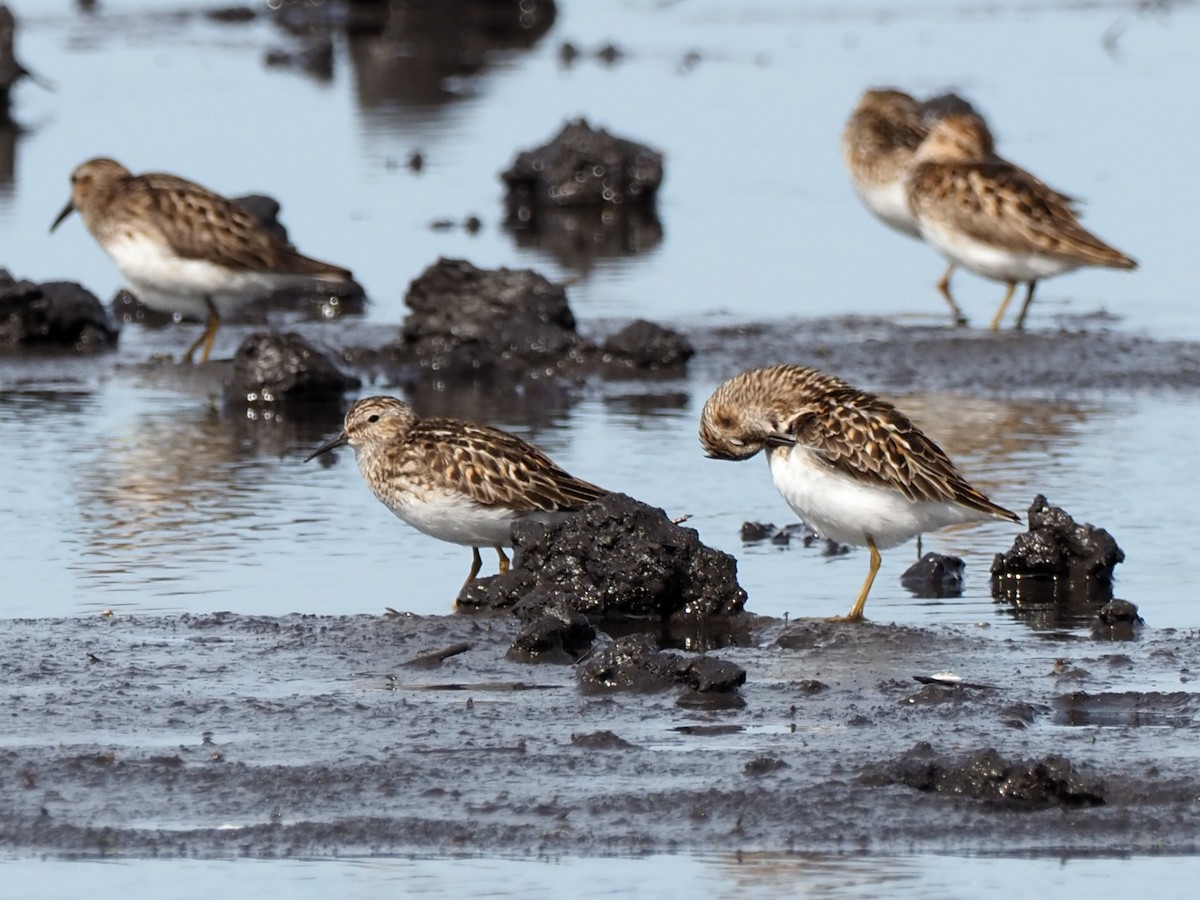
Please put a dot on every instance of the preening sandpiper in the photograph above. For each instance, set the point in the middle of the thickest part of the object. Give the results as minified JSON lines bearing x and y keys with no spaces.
{"x":849,"y":463}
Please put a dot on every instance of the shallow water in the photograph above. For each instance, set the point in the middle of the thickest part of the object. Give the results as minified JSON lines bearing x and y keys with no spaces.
{"x":759,"y":218}
{"x":171,"y":504}
{"x":746,"y":876}
{"x":129,"y":487}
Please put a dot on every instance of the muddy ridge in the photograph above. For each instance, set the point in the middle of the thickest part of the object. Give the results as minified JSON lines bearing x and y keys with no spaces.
{"x":228,"y":735}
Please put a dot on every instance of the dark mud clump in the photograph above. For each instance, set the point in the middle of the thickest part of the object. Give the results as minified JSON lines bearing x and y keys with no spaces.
{"x":616,"y":558}
{"x":1118,"y":620}
{"x":1057,"y":559}
{"x":552,"y":634}
{"x":601,"y":740}
{"x":756,"y":532}
{"x":584,"y":166}
{"x":265,"y":208}
{"x":585,"y":195}
{"x":273,"y":368}
{"x":645,"y":346}
{"x":635,"y":663}
{"x":514,"y":325}
{"x":988,"y":777}
{"x":935,"y":576}
{"x":53,"y":315}
{"x":127,"y":309}
{"x":468,"y":321}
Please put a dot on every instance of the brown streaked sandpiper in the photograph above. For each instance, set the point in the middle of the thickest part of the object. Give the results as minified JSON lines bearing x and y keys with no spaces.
{"x":184,"y":248}
{"x":849,"y":463}
{"x":454,"y":480}
{"x":994,"y":218}
{"x":879,"y":142}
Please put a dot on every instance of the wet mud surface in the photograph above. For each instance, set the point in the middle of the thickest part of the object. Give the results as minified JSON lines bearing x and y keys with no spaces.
{"x":312,"y":736}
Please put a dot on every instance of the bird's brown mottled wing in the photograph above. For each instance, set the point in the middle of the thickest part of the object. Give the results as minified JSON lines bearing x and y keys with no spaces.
{"x":200,"y":224}
{"x":1004,"y":205}
{"x":867,"y":438}
{"x":495,"y":468}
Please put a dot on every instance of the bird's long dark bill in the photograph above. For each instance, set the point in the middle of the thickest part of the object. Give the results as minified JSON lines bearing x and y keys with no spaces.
{"x":340,"y":441}
{"x":67,"y":210}
{"x":780,"y":440}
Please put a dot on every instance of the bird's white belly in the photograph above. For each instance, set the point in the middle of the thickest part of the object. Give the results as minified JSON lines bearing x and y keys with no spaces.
{"x":988,"y":260}
{"x":167,"y":282}
{"x":889,"y":201}
{"x":849,"y":511}
{"x":452,"y":517}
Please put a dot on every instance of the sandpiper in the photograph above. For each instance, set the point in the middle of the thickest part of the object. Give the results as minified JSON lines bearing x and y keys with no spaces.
{"x":994,"y":218}
{"x":456,"y":481}
{"x":183,"y":248}
{"x":849,"y":463}
{"x":879,"y":143}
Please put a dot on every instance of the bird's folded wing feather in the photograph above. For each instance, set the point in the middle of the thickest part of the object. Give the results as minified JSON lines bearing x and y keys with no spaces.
{"x":868,"y":439}
{"x":1003,"y":205}
{"x":199,"y":224}
{"x":495,"y":468}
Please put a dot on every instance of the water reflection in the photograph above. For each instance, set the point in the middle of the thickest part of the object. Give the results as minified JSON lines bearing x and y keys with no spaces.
{"x":10,"y":133}
{"x":534,"y":407}
{"x":172,"y":492}
{"x":578,"y":239}
{"x":747,"y":874}
{"x":1052,"y":604}
{"x":406,"y":56}
{"x":1013,"y":438}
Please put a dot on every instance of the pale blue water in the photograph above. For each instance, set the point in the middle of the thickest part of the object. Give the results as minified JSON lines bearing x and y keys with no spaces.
{"x":751,"y":876}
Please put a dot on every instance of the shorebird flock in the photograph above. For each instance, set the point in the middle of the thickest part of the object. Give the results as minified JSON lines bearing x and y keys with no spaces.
{"x":852,"y":465}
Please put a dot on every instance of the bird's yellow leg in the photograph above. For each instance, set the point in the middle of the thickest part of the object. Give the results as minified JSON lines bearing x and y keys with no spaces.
{"x":209,"y":335}
{"x":476,"y":565}
{"x":943,"y":287}
{"x":1025,"y":306}
{"x":856,"y":611}
{"x":999,"y":317}
{"x":503,"y":560}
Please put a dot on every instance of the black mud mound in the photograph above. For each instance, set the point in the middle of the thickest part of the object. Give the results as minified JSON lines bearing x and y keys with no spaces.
{"x":273,"y":368}
{"x":584,"y":166}
{"x":635,"y":663}
{"x":1059,"y":572}
{"x":55,"y":315}
{"x":503,"y":327}
{"x":616,"y":558}
{"x":552,"y":634}
{"x":988,"y":777}
{"x":1118,"y":620}
{"x":584,"y":196}
{"x":801,"y":533}
{"x":468,"y":321}
{"x":935,"y":576}
{"x":643,"y":346}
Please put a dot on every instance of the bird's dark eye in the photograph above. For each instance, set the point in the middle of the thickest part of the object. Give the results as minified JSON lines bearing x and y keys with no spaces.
{"x":374,"y":417}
